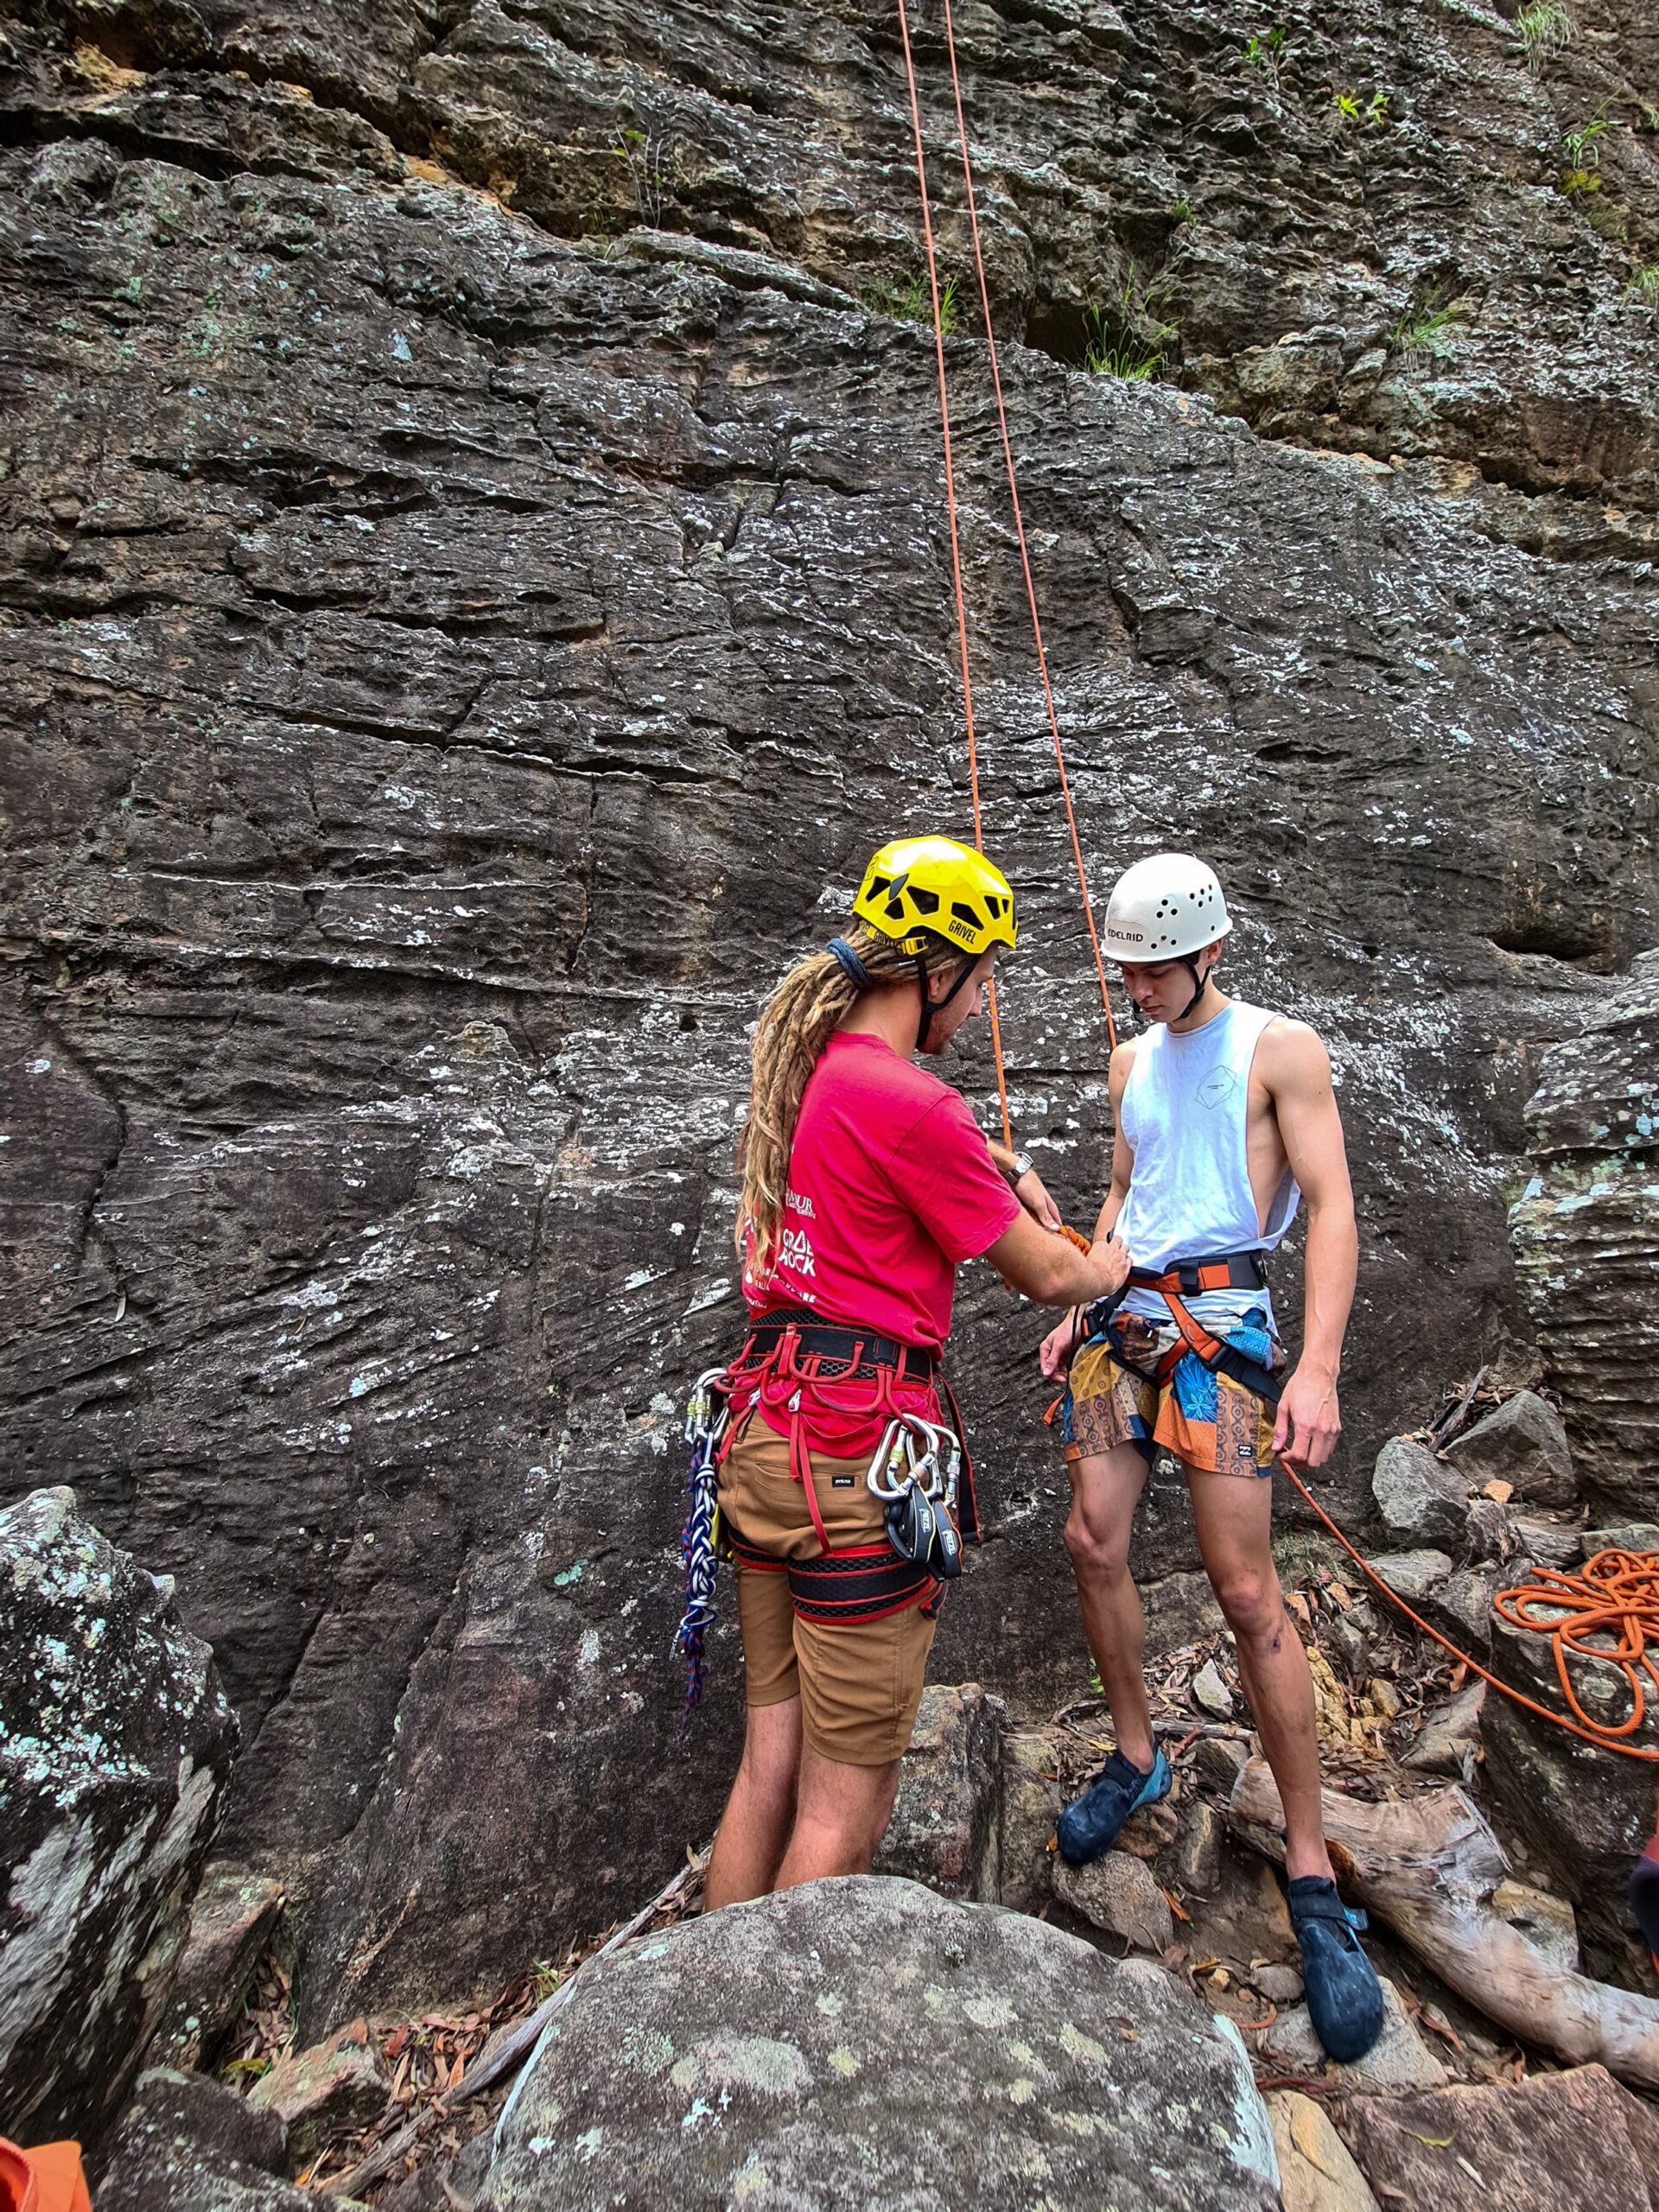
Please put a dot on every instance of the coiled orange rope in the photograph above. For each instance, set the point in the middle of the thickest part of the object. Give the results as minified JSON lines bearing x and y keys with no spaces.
{"x":1614,"y":1594}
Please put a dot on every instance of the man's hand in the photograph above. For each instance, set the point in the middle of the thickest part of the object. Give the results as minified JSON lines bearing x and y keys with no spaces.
{"x":1054,"y":1353}
{"x":1111,"y":1258}
{"x":1033,"y":1196}
{"x":1309,"y":1423}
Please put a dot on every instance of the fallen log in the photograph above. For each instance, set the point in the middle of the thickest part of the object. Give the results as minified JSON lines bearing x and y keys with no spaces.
{"x":1429,"y":1867}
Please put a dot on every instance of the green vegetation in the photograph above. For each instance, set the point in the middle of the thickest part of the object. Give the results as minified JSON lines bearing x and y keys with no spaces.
{"x":1180,"y":211}
{"x":652,"y":157}
{"x":1427,"y":334}
{"x":1643,"y":287}
{"x":1131,"y":339}
{"x":1266,"y":51}
{"x":1543,"y":30}
{"x":910,"y":300}
{"x":1580,"y":173}
{"x":1372,"y":116}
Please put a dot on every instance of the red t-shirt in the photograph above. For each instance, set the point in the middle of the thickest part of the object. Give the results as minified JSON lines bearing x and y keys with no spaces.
{"x":891,"y":1185}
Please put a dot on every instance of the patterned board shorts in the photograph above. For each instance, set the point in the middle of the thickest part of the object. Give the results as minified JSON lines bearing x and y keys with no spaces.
{"x":1209,"y":1421}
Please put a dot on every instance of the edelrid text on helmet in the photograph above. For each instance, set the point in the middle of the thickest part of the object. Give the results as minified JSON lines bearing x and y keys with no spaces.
{"x":936,"y":885}
{"x":1165,"y":908}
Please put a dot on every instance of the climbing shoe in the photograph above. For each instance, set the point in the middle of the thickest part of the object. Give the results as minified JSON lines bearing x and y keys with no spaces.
{"x":1089,"y":1824}
{"x":1644,"y":1895}
{"x":1344,"y":1999}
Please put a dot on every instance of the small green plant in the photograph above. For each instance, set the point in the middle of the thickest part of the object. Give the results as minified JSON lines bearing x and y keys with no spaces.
{"x":1643,"y":291}
{"x":545,"y":1979}
{"x":1426,"y":335}
{"x":1376,"y":113}
{"x":1370,"y":115}
{"x":1265,"y":51}
{"x":652,"y":154}
{"x":1580,"y":173}
{"x":1181,"y":211}
{"x":910,"y":300}
{"x":1131,"y":339}
{"x":1348,"y":107}
{"x":1543,"y":30}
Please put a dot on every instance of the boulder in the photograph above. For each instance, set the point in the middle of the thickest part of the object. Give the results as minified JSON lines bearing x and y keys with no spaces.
{"x":1210,"y":1693}
{"x":186,"y":2143}
{"x":116,"y":1745}
{"x":1523,"y":1444}
{"x":1461,"y":1606}
{"x":946,"y":1829}
{"x":1245,"y":1919}
{"x":1625,"y":1537}
{"x":1316,"y":2172}
{"x":1584,"y":1235}
{"x":1220,"y":1760}
{"x":1413,"y":1575}
{"x":1279,"y":1985}
{"x":1549,"y":1542}
{"x":1030,"y":1808}
{"x":1120,"y":1895}
{"x":1192,"y":1863}
{"x":1583,"y":1813}
{"x":867,"y":2043}
{"x":325,"y":2091}
{"x":1399,"y":2059}
{"x":230,"y":1923}
{"x":1552,"y":2142}
{"x":1423,"y":1503}
{"x":1448,"y":1737}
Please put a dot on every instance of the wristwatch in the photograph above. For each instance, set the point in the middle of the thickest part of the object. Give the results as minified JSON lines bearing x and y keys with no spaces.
{"x":1022,"y":1164}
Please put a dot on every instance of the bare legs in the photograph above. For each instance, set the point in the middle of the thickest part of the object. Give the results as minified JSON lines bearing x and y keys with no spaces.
{"x":1103,"y":1495}
{"x":1232,"y":1516}
{"x":793,"y":1815}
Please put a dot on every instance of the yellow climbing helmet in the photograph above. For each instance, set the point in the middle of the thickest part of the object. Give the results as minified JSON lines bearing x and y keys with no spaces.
{"x":936,"y":885}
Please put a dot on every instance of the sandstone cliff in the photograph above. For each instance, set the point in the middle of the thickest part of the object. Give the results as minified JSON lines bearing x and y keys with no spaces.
{"x":475,"y":587}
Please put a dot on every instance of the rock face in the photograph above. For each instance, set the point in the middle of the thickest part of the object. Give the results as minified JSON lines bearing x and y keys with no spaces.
{"x":863,"y":2042}
{"x":116,"y":1743}
{"x":1584,"y":1235}
{"x":475,"y":582}
{"x":234,"y":1913}
{"x":946,"y":1827}
{"x":1554,"y":2143}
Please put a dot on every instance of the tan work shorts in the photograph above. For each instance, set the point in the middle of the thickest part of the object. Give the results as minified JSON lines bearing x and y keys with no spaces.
{"x":859,"y":1683}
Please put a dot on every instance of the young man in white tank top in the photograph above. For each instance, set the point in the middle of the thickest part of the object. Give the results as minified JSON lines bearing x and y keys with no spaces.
{"x":1225,"y":1119}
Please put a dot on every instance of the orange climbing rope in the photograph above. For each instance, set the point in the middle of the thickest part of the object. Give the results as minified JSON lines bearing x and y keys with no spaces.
{"x":1616,"y":1594}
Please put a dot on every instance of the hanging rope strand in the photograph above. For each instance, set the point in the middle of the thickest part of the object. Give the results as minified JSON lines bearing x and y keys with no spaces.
{"x":1020,"y":528}
{"x":951,"y":512}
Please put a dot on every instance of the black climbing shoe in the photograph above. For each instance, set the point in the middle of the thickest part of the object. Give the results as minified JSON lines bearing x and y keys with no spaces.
{"x":1344,"y":1999}
{"x":1089,"y":1824}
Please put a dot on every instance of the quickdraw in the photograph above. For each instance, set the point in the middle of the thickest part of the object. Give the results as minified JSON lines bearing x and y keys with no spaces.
{"x":707,"y":1418}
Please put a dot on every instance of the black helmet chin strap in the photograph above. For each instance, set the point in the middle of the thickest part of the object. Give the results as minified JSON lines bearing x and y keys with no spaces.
{"x":930,"y":1007}
{"x":1201,"y":984}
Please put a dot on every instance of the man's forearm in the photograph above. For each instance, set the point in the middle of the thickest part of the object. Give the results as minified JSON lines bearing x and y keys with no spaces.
{"x":1333,"y":1271}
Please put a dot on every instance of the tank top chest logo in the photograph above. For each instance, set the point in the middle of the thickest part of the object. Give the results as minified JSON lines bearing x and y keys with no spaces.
{"x":1218,"y":1087}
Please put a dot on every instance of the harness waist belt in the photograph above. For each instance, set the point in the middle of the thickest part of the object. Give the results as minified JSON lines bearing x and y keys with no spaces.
{"x":845,"y":1587}
{"x":1224,"y":1271}
{"x":863,"y":1350}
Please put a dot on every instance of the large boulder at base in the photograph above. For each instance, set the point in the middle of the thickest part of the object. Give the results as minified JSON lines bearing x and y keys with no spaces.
{"x":116,"y":1745}
{"x":863,"y":2042}
{"x":188,"y":2144}
{"x":1584,"y":1234}
{"x":1573,"y":2142}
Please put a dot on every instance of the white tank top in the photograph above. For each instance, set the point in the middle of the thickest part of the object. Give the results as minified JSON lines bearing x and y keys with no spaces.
{"x":1183,"y":1116}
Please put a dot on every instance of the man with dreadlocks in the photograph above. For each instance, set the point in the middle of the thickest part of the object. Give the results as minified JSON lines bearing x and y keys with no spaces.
{"x":866,"y":1183}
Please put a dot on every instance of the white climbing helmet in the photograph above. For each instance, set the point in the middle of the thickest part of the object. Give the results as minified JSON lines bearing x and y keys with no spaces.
{"x":1164,"y":908}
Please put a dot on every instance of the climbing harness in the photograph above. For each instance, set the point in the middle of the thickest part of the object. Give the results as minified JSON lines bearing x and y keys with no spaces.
{"x":914,"y":1487}
{"x":921,"y":1471}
